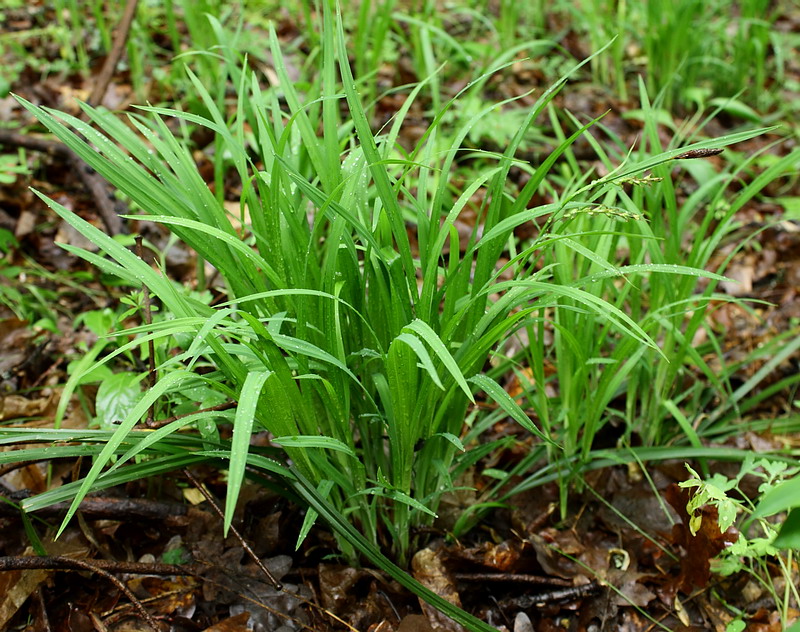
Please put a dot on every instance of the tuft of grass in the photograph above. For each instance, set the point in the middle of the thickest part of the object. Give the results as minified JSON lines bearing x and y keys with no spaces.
{"x":359,"y":353}
{"x":692,"y":51}
{"x":359,"y":326}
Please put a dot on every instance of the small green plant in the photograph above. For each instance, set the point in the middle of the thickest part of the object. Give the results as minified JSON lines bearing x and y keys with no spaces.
{"x":12,"y":166}
{"x":31,"y":292}
{"x":762,"y":544}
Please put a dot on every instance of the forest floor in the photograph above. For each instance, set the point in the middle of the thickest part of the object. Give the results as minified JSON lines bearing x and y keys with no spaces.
{"x":621,"y":559}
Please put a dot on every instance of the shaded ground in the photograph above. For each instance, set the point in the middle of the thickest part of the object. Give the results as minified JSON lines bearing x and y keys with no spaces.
{"x":620,"y":560}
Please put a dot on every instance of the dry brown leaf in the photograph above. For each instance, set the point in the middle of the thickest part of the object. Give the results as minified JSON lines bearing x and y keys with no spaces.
{"x":428,"y":569}
{"x":237,"y":623}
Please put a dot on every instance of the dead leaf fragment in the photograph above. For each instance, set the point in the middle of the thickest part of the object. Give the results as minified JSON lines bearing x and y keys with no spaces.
{"x":522,"y":623}
{"x":428,"y":569}
{"x":237,"y":623}
{"x":415,"y":623}
{"x":385,"y":626}
{"x":16,"y":587}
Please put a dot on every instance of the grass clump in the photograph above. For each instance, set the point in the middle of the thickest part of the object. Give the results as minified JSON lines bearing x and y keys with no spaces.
{"x":359,"y":349}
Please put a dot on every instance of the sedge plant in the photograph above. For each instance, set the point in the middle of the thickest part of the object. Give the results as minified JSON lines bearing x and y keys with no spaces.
{"x":359,"y":350}
{"x":602,"y":381}
{"x":358,"y":367}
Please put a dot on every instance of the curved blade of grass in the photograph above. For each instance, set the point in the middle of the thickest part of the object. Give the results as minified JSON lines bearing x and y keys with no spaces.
{"x":240,"y":443}
{"x":138,"y":268}
{"x":84,"y":366}
{"x":660,"y":159}
{"x":503,"y":399}
{"x":45,"y":454}
{"x":324,"y":489}
{"x":151,"y":467}
{"x":305,"y":441}
{"x":397,"y":496}
{"x":234,"y":242}
{"x":164,"y":384}
{"x":595,"y":303}
{"x":424,"y":331}
{"x":50,"y":435}
{"x":423,"y":355}
{"x":604,"y":458}
{"x":156,"y":436}
{"x":666,"y":268}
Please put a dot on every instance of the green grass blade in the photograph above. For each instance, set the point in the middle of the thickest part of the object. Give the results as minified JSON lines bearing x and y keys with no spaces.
{"x":240,"y":443}
{"x":166,"y":383}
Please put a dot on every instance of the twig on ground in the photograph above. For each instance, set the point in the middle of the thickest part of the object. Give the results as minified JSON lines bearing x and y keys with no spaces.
{"x":556,"y":596}
{"x":58,"y":562}
{"x":275,"y":583}
{"x":95,"y":566}
{"x":34,"y":143}
{"x":94,"y":184}
{"x":101,"y":508}
{"x":100,"y":192}
{"x":520,"y":578}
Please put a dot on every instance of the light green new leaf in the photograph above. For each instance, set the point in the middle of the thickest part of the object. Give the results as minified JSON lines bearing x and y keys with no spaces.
{"x":783,"y":496}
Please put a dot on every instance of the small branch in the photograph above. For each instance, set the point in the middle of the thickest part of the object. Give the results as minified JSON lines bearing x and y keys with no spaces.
{"x":34,"y":143}
{"x":557,"y":596}
{"x":120,"y":38}
{"x":148,"y":319}
{"x":101,"y":567}
{"x":93,"y":183}
{"x":61,"y":563}
{"x":100,"y":193}
{"x":100,"y":508}
{"x":521,"y":578}
{"x":275,"y":583}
